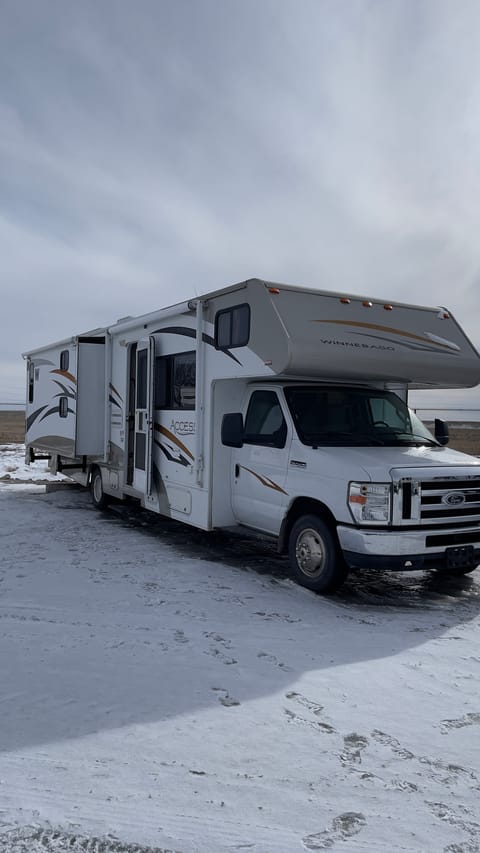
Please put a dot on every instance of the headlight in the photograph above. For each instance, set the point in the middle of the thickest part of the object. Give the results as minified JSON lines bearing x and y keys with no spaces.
{"x":370,"y":503}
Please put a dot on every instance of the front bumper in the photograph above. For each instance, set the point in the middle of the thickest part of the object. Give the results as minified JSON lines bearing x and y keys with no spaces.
{"x":403,"y":549}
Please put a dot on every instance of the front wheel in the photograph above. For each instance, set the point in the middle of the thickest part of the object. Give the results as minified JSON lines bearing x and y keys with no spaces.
{"x":315,"y":556}
{"x":99,"y":498}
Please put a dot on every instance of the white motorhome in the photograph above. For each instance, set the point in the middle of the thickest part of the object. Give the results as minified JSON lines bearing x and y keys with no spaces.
{"x":274,"y":408}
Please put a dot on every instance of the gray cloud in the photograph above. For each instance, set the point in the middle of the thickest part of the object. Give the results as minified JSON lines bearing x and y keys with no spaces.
{"x":150,"y":151}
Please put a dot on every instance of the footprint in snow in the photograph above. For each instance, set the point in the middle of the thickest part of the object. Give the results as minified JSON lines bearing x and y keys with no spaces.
{"x":342,"y":827}
{"x":472,"y":719}
{"x":180,"y":637}
{"x":226,"y":700}
{"x":353,"y":745}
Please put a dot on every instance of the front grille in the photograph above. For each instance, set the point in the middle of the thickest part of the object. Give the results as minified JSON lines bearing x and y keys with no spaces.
{"x":442,"y":500}
{"x":450,"y":500}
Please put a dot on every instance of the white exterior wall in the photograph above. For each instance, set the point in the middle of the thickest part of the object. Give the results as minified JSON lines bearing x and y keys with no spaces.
{"x":46,"y":430}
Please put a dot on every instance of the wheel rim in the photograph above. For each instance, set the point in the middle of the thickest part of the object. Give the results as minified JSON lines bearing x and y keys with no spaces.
{"x":97,"y":488}
{"x":310,"y":553}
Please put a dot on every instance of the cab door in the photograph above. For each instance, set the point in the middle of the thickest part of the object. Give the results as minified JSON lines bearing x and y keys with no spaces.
{"x":260,"y":466}
{"x":142,"y":470}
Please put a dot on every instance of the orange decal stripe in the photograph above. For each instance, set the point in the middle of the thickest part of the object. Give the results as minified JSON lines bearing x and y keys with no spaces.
{"x":388,"y":329}
{"x":172,"y":437}
{"x":66,"y":374}
{"x":265,"y":481}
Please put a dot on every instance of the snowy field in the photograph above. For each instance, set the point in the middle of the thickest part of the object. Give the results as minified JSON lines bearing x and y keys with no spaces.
{"x":167,"y":690}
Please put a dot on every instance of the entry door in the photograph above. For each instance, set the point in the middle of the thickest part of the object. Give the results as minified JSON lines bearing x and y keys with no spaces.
{"x":142,"y":472}
{"x":260,"y":466}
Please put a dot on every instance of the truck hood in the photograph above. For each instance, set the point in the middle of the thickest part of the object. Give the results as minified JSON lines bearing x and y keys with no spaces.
{"x":377,"y":463}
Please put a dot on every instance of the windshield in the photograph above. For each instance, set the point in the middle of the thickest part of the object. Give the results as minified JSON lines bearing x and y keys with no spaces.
{"x":354,"y":416}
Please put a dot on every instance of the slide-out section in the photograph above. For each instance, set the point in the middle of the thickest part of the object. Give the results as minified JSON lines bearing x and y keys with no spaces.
{"x":90,"y":427}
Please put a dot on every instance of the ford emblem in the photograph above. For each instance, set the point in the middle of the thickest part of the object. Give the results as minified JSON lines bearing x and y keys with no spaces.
{"x":454,"y":498}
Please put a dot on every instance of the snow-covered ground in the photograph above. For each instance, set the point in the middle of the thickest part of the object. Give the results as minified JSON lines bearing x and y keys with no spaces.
{"x":166,"y":689}
{"x":13,"y":469}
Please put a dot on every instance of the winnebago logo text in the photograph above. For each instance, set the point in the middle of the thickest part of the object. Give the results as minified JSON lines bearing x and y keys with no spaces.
{"x":354,"y":344}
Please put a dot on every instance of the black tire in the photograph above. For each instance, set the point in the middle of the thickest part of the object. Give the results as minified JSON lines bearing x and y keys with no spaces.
{"x":315,"y":557}
{"x":99,"y":499}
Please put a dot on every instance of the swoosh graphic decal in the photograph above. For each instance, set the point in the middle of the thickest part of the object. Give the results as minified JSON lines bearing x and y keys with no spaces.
{"x":388,"y":329}
{"x":180,"y":459}
{"x":66,"y":392}
{"x":418,"y":347}
{"x":173,"y":438}
{"x":187,"y":332}
{"x":265,"y":481}
{"x":114,"y":401}
{"x":66,"y":374}
{"x":54,"y":411}
{"x":112,"y":388}
{"x":33,"y":417}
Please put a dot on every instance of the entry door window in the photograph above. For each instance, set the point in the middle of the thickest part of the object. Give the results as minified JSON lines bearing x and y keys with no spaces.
{"x":142,"y":379}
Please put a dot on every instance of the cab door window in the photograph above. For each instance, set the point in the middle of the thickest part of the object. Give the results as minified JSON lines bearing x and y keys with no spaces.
{"x":265,"y":423}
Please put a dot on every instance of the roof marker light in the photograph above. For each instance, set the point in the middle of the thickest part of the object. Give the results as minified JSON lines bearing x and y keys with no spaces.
{"x":274,"y":290}
{"x":344,"y":300}
{"x":367,"y":304}
{"x":388,"y":307}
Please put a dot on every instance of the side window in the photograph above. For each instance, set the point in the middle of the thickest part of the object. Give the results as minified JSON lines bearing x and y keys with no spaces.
{"x":232,"y":327}
{"x":64,"y":359}
{"x":31,"y":381}
{"x":183,"y":381}
{"x":175,"y":381}
{"x":265,"y":423}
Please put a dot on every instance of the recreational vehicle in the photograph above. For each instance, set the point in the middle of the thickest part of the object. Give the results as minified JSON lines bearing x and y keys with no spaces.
{"x":273,"y":408}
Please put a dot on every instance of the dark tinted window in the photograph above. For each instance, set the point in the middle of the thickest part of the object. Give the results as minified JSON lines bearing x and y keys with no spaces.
{"x":142,"y":361}
{"x":31,"y":381}
{"x":64,"y":359}
{"x":232,"y":327}
{"x":265,"y":423}
{"x":174,"y":381}
{"x":63,"y":407}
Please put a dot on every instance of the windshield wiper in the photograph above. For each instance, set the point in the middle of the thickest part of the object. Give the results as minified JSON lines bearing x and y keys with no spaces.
{"x":317,"y":438}
{"x":413,"y":438}
{"x":423,"y":439}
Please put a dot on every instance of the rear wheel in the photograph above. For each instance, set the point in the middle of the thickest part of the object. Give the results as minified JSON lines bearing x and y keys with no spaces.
{"x":315,"y":556}
{"x":99,"y":498}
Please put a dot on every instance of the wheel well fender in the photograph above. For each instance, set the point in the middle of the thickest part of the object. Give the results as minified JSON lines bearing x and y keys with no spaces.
{"x":299,"y":507}
{"x":91,"y":470}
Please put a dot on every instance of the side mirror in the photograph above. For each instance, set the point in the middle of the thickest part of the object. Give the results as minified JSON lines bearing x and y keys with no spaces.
{"x":441,"y":431}
{"x":232,"y":430}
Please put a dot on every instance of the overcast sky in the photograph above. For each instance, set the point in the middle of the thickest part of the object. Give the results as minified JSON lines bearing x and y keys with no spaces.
{"x":156,"y":149}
